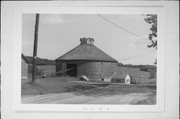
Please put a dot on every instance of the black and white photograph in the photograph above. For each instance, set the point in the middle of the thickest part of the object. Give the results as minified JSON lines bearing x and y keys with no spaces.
{"x":89,"y":59}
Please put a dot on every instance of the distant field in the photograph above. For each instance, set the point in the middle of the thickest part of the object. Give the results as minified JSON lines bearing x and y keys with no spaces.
{"x":64,"y":85}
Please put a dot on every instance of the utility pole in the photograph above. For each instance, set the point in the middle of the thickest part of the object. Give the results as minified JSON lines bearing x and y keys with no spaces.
{"x":35,"y":49}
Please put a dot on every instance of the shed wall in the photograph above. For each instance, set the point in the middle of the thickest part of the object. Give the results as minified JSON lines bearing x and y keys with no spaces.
{"x":47,"y":69}
{"x":24,"y":69}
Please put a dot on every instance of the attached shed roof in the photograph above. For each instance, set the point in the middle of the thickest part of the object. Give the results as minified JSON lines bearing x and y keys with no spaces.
{"x":86,"y":51}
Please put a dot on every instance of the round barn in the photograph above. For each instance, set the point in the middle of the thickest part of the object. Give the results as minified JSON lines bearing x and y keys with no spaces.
{"x":86,"y":60}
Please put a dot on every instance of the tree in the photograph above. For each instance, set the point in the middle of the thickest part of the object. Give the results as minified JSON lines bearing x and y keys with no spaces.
{"x":152,"y":19}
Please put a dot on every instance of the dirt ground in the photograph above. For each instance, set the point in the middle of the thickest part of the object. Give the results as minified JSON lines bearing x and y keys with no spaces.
{"x":70,"y":91}
{"x":70,"y":98}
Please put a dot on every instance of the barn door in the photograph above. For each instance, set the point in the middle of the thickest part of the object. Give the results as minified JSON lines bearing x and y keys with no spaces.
{"x":71,"y":69}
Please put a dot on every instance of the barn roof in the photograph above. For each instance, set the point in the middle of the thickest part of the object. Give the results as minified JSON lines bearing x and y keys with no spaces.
{"x":25,"y":59}
{"x":86,"y":51}
{"x":40,"y":61}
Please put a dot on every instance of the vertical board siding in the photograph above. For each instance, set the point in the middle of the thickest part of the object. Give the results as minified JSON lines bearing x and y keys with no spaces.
{"x":94,"y":70}
{"x":90,"y":69}
{"x":108,"y":69}
{"x":58,"y":68}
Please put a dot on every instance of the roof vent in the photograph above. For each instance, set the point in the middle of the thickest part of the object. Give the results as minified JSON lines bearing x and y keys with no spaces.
{"x":87,"y":40}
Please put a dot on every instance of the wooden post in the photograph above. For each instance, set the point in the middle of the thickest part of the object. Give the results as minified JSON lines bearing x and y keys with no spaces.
{"x":35,"y":49}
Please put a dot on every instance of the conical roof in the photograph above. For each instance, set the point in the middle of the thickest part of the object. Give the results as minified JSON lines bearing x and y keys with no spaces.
{"x":87,"y":51}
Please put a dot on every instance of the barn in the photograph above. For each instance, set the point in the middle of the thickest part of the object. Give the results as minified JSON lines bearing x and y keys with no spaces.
{"x":86,"y":60}
{"x":24,"y":67}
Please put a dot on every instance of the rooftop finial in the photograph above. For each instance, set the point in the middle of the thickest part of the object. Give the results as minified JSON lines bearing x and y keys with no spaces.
{"x":86,"y":40}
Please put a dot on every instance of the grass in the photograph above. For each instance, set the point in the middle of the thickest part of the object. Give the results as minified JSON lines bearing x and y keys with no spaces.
{"x":45,"y":86}
{"x":63,"y":85}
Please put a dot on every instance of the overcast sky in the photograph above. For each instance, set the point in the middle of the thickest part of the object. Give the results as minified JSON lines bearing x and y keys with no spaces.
{"x":60,"y":33}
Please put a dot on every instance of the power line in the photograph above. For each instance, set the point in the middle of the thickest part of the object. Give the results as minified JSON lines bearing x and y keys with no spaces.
{"x":118,"y":26}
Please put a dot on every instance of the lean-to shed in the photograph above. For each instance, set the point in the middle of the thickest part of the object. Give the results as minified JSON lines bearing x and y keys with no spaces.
{"x":121,"y":78}
{"x":86,"y":59}
{"x":136,"y":75}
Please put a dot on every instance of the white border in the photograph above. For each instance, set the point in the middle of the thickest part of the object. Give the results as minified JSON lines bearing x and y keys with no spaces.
{"x":79,"y":7}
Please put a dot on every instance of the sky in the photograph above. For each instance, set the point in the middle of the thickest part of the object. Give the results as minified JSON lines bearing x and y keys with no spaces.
{"x":59,"y":33}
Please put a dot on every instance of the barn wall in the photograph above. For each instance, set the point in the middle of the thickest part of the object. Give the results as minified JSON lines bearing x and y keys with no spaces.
{"x":93,"y":70}
{"x":108,"y":69}
{"x":24,"y":69}
{"x":60,"y":67}
{"x":89,"y":69}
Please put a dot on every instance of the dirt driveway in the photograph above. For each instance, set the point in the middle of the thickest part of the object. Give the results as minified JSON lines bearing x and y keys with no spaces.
{"x":70,"y":98}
